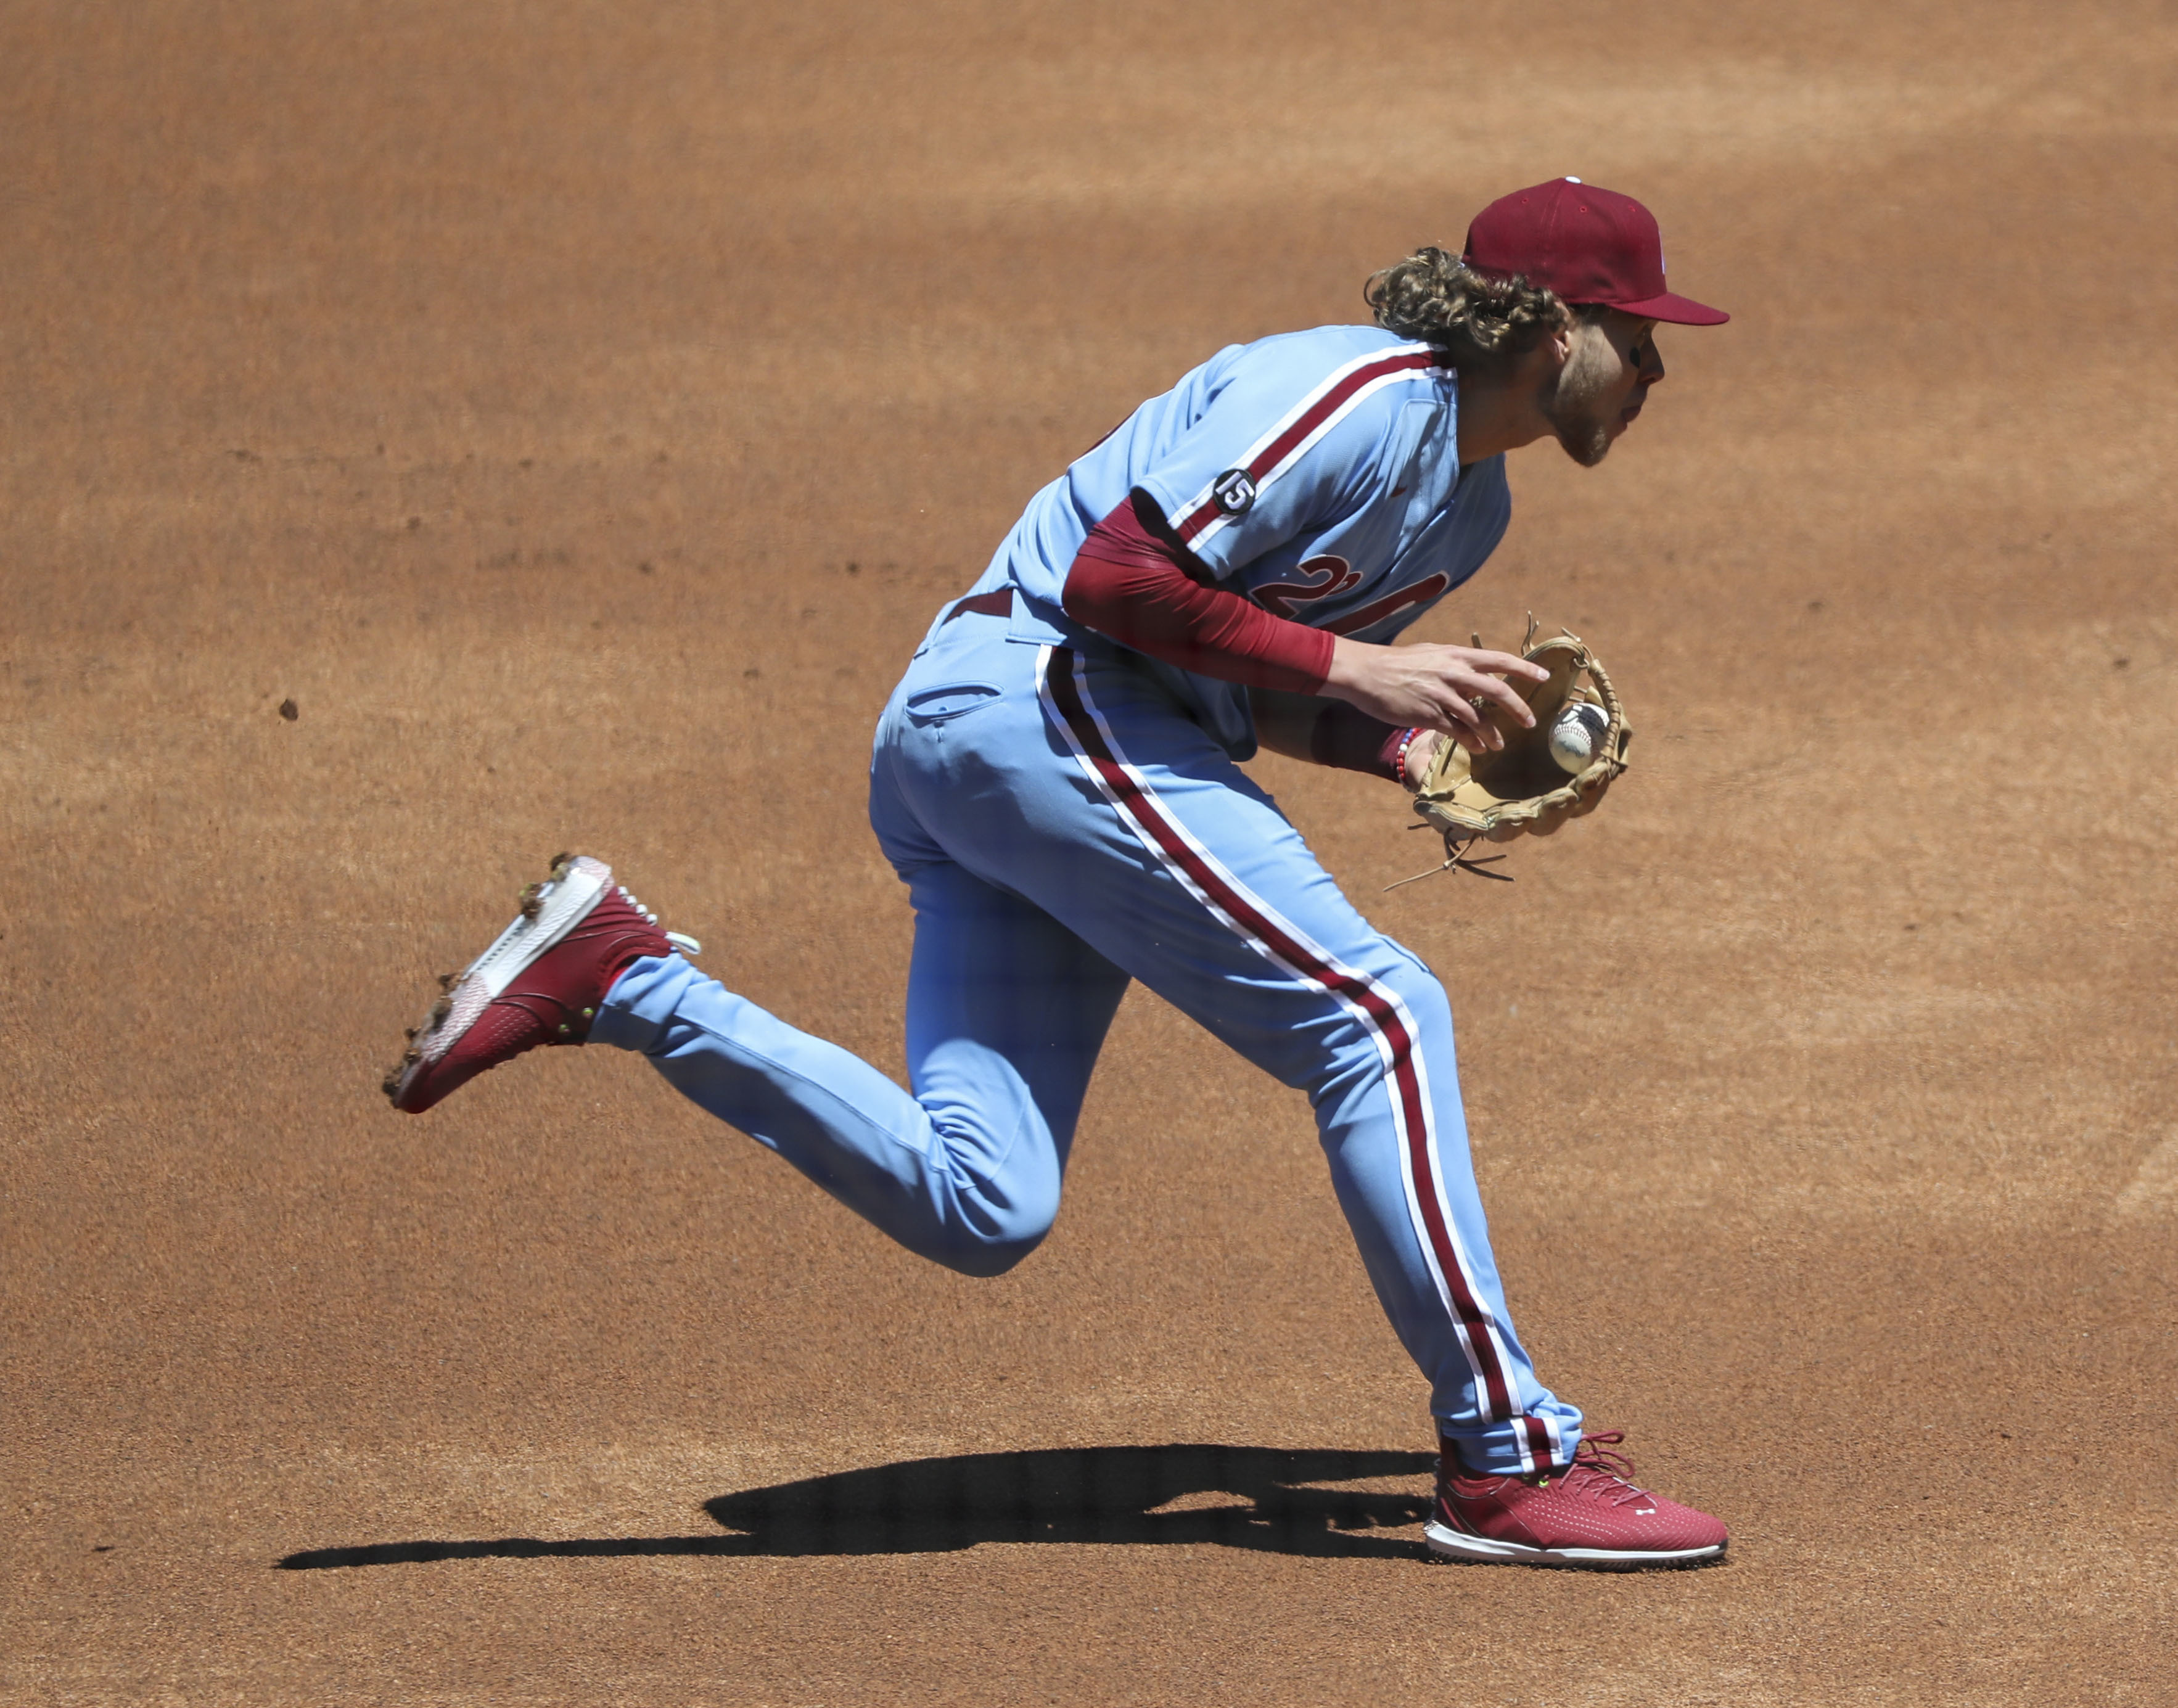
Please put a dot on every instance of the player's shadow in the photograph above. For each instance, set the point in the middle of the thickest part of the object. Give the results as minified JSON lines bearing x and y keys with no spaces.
{"x":1239,"y":1496}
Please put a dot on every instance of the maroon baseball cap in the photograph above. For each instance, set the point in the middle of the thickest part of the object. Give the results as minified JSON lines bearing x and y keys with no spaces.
{"x":1588,"y":245}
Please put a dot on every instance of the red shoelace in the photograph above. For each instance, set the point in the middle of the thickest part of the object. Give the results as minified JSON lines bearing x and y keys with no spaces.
{"x":1595,"y":1467}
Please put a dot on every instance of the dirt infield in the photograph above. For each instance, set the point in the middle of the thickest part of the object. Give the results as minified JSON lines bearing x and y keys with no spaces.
{"x":575,"y":411}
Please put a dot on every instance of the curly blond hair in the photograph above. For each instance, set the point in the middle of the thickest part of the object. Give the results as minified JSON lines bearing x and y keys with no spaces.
{"x":1483,"y":322}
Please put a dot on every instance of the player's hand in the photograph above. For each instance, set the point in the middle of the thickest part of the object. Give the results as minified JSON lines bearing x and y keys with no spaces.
{"x":1432,"y":687}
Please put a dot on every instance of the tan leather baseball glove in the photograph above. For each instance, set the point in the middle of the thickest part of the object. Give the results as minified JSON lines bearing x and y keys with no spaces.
{"x":1522,"y":787}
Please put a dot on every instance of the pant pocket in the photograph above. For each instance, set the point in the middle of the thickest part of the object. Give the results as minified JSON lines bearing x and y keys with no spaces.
{"x":940,"y":705}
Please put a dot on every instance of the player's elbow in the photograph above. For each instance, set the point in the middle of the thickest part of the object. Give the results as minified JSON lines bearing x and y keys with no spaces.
{"x":1095,"y":595}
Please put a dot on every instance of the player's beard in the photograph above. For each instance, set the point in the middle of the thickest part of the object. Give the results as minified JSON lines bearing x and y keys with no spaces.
{"x":1574,"y":401}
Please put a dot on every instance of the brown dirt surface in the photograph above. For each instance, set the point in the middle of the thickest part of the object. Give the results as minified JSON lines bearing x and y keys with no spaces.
{"x":432,"y":436}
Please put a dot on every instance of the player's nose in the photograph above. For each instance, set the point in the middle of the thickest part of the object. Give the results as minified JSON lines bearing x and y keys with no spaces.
{"x":1652,"y":364}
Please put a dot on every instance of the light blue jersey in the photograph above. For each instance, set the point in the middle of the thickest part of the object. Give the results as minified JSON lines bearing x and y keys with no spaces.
{"x":1069,"y":818}
{"x":1317,"y":472}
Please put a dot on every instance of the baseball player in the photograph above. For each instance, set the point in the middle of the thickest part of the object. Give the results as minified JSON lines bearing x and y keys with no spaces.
{"x":1057,"y":779}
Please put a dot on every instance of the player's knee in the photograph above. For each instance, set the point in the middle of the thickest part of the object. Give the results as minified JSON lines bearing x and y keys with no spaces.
{"x":1423,"y":1028}
{"x":985,"y":1238}
{"x":1403,"y":975}
{"x":987,"y":1252}
{"x":1422,"y":993}
{"x":987,"y":1259}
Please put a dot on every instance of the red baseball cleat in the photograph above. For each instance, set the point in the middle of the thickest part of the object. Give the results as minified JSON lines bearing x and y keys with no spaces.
{"x":1590,"y":1514}
{"x":541,"y":982}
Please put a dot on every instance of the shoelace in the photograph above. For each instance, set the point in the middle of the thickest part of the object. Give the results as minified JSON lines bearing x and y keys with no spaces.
{"x":680,"y":940}
{"x":1595,"y":1467}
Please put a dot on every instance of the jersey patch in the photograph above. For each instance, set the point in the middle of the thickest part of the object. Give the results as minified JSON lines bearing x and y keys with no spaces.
{"x":1232,"y":491}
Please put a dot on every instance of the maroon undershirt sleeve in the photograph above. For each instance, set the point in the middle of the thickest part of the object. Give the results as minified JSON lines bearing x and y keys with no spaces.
{"x":1138,"y":588}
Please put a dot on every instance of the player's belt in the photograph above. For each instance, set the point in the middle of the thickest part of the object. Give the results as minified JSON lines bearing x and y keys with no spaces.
{"x":998,"y":604}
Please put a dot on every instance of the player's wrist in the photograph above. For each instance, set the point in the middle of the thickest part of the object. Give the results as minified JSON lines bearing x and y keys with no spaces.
{"x":1395,"y":755}
{"x":1346,"y":670}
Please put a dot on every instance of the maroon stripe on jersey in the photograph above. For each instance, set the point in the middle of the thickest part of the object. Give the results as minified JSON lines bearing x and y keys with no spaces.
{"x":1144,"y":807}
{"x":1428,"y":589}
{"x":1334,"y":398}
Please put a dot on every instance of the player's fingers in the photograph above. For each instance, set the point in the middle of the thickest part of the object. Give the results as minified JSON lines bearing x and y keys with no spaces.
{"x":1503,"y":665}
{"x":1468,"y":731}
{"x":1477,"y":687}
{"x":1467,"y":726}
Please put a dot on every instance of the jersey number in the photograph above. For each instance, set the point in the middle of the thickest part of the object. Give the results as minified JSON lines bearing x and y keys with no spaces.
{"x":1325,"y":576}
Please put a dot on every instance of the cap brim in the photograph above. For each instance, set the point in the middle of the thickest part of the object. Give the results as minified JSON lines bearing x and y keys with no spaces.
{"x":1680,"y":311}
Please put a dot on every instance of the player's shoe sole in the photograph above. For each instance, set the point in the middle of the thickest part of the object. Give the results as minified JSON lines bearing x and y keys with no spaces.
{"x":1449,"y":1544}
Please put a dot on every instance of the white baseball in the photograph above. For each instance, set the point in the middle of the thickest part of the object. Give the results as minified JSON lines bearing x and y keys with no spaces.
{"x":1576,"y":733}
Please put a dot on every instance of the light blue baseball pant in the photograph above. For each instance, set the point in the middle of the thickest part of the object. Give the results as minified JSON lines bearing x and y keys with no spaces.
{"x":1063,"y":829}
